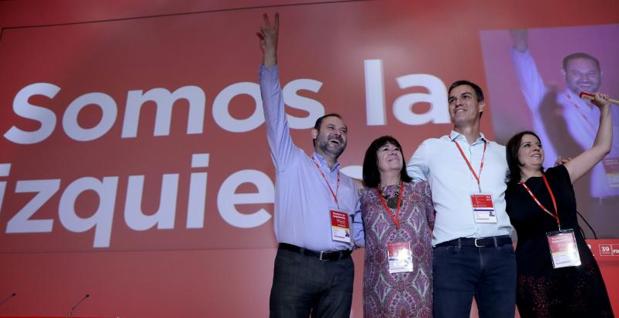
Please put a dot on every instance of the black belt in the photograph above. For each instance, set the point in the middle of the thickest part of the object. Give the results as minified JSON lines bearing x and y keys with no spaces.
{"x":323,"y":256}
{"x":493,"y":241}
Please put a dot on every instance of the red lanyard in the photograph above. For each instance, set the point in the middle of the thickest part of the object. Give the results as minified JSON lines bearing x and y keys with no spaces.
{"x":555,"y":215}
{"x":394,"y":216}
{"x":337,"y":187}
{"x":481,"y":164}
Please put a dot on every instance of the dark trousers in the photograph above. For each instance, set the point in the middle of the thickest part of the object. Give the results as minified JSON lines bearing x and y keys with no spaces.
{"x":464,"y":272}
{"x":304,"y":284}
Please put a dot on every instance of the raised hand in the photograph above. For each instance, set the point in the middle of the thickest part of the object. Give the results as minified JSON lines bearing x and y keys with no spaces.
{"x":600,"y":100}
{"x":520,"y":39}
{"x":268,"y":39}
{"x":602,"y":143}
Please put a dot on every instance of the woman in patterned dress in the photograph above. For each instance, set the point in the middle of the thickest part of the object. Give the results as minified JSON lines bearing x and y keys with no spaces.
{"x":398,"y":218}
{"x":557,"y":274}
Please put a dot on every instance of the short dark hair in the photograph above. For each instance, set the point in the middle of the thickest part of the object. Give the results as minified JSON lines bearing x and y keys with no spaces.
{"x":511,"y":149}
{"x":318,"y":122}
{"x":476,"y":88}
{"x":371,"y":175}
{"x":321,"y":118}
{"x":580,"y":55}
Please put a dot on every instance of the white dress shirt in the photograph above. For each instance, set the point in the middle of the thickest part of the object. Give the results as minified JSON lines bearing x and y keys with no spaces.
{"x":438,"y":161}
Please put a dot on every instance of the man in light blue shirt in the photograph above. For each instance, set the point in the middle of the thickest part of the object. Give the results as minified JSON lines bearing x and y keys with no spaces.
{"x":314,"y":206}
{"x":473,"y":254}
{"x":573,"y":126}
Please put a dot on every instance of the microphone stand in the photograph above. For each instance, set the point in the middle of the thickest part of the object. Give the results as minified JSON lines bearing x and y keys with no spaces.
{"x":70,"y":314}
{"x":7,"y":298}
{"x":595,"y":236}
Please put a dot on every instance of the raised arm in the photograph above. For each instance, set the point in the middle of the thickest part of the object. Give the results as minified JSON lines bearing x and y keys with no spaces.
{"x":269,"y":34}
{"x":582,"y":163}
{"x":520,"y":40}
{"x":278,"y":134}
{"x":531,"y":82}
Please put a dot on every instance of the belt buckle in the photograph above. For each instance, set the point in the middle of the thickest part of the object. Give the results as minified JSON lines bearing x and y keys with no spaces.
{"x":320,"y":256}
{"x":477,"y":245}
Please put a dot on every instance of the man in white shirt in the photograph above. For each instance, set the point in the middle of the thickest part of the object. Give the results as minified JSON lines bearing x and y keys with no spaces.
{"x":473,"y":253}
{"x":567,"y":124}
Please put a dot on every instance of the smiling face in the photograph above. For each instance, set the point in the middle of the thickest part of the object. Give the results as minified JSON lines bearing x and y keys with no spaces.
{"x":530,"y":153}
{"x":464,"y":105}
{"x":582,"y":74}
{"x":331,"y":137}
{"x":389,"y":158}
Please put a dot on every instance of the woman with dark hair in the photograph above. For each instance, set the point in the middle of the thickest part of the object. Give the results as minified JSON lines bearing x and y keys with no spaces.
{"x":557,"y":274}
{"x":398,"y":218}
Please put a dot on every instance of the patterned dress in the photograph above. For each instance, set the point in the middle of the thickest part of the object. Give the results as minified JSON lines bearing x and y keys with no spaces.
{"x":406,"y":294}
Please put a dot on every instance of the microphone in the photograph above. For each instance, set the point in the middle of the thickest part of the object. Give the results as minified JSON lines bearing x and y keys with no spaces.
{"x":7,"y":298}
{"x":591,"y":96}
{"x":70,"y":314}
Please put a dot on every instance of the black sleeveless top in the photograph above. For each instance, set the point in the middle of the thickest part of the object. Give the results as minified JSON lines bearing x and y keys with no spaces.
{"x":542,"y":290}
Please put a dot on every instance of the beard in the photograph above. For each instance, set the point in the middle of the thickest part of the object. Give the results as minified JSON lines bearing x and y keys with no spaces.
{"x":331,"y":148}
{"x":591,"y":87}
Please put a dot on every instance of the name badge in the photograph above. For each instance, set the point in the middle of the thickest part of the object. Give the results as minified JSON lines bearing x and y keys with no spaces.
{"x":611,"y":166}
{"x":483,"y":208}
{"x":563,"y":248}
{"x":400,"y":257}
{"x":340,"y":226}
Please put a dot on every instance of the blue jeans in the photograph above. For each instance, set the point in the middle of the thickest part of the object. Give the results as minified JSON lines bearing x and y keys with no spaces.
{"x":304,"y":284}
{"x":464,"y":272}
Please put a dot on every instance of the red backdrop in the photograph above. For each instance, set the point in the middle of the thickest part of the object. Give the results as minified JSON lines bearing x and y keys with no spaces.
{"x":133,"y":162}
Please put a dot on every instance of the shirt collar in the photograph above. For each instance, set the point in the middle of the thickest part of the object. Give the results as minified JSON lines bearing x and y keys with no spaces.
{"x":453,"y":135}
{"x":323,"y":162}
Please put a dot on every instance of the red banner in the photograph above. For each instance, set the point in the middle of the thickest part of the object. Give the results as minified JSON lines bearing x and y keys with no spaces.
{"x":133,"y":158}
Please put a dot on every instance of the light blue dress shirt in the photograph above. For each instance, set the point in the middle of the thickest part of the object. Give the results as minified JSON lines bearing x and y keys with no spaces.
{"x":581,"y":118}
{"x":302,"y":198}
